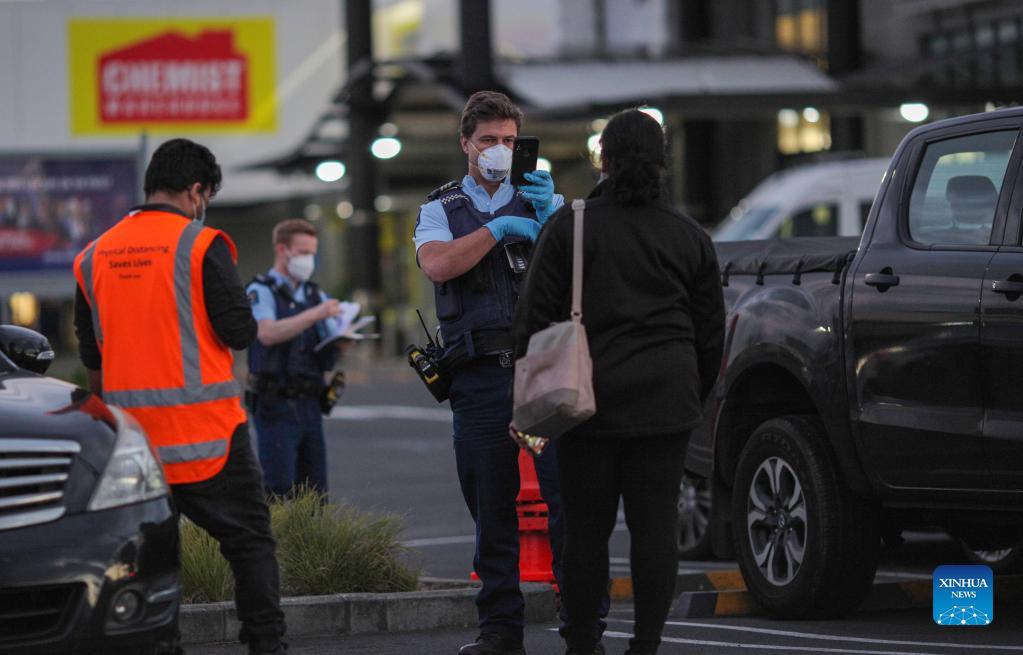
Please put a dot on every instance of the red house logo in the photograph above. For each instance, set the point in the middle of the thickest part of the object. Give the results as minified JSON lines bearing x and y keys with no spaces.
{"x":171,"y":77}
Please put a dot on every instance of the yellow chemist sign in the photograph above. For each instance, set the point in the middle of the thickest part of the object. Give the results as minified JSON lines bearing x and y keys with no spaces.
{"x":171,"y":75}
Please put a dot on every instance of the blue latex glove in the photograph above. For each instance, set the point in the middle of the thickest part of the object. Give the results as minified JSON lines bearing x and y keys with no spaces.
{"x":513,"y":226}
{"x":540,"y":193}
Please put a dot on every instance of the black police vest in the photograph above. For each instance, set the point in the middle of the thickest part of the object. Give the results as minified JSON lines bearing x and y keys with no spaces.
{"x":295,"y":358}
{"x":484,"y":297}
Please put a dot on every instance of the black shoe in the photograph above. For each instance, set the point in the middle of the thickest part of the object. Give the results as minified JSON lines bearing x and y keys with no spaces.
{"x":268,"y":647}
{"x":597,"y":650}
{"x":491,"y":643}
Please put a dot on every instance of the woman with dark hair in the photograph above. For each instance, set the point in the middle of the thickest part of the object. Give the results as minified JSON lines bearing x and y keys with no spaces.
{"x":654,"y":317}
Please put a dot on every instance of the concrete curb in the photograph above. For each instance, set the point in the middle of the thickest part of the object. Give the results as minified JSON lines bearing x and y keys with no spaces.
{"x":348,"y":614}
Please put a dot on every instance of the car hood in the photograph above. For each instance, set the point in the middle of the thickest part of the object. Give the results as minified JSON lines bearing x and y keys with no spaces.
{"x":37,"y":407}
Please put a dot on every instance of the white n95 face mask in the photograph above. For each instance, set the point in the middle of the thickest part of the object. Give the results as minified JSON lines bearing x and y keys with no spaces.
{"x":494,"y":162}
{"x":301,"y":267}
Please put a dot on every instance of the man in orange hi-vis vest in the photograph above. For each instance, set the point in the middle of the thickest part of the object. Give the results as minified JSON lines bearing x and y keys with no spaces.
{"x":158,"y":308}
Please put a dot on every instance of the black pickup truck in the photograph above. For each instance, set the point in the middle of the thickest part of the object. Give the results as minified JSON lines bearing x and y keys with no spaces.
{"x":876,"y":383}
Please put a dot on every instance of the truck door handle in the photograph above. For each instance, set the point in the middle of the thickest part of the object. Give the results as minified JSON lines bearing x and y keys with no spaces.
{"x":1010,"y":287}
{"x":882,"y":280}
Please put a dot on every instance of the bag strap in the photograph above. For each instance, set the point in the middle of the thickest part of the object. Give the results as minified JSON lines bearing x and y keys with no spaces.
{"x":578,"y":205}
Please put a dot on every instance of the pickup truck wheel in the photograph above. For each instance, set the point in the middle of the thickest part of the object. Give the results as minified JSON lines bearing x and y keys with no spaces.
{"x":807,"y":547}
{"x":694,"y":518}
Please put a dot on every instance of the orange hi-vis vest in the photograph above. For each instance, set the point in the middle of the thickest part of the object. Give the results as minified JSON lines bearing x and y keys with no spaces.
{"x":162,"y":361}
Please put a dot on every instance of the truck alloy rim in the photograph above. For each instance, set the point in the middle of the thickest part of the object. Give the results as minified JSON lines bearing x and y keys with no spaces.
{"x":776,"y":521}
{"x":693,"y":511}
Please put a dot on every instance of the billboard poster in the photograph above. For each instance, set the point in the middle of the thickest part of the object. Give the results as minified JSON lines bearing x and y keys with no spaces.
{"x":52,"y":206}
{"x":171,"y":75}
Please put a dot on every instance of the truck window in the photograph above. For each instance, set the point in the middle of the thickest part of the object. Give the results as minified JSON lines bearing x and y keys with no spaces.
{"x":865,"y":212}
{"x":956,"y":191}
{"x":820,"y":220}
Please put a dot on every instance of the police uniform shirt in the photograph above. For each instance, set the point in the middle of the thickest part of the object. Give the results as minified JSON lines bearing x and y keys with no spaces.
{"x":264,"y":308}
{"x":433,"y":222}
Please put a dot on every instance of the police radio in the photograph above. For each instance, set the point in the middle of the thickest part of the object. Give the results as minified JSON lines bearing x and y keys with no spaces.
{"x":426,"y":363}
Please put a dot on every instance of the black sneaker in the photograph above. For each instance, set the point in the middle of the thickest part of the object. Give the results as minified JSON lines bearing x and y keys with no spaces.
{"x":490,"y":643}
{"x":268,"y":647}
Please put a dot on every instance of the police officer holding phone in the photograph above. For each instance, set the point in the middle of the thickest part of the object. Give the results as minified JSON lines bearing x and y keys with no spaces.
{"x":473,"y":240}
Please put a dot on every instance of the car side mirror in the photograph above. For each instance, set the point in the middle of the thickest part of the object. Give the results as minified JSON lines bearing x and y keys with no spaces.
{"x":26,"y":348}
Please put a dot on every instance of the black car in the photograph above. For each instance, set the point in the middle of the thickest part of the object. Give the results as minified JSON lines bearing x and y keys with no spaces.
{"x":88,"y":537}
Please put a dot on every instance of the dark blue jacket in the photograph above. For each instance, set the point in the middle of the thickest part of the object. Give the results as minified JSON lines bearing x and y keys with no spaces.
{"x":482,"y":299}
{"x":295,"y":358}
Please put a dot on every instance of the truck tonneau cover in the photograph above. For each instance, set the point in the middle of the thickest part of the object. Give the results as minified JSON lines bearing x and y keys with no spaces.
{"x":780,"y":256}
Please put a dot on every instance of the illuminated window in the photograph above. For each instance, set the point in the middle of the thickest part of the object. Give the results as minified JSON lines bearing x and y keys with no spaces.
{"x":801,"y":26}
{"x":808,"y":130}
{"x":24,"y":309}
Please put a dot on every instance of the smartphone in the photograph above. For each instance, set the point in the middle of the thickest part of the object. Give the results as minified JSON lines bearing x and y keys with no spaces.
{"x":524,"y":154}
{"x":518,"y":256}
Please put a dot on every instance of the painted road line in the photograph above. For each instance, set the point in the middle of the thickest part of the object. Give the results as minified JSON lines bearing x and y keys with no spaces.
{"x":882,"y":596}
{"x":827,"y":637}
{"x":731,"y":580}
{"x":790,"y":649}
{"x":449,"y":541}
{"x":903,"y":575}
{"x":439,"y":541}
{"x":390,"y":412}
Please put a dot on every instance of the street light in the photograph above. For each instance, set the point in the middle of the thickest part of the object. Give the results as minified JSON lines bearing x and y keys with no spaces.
{"x":914,"y":112}
{"x":593,"y":145}
{"x":330,"y":170}
{"x":654,"y":113}
{"x":386,"y":147}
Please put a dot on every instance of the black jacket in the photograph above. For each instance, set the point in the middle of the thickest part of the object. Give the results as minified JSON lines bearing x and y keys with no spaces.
{"x":652,"y":307}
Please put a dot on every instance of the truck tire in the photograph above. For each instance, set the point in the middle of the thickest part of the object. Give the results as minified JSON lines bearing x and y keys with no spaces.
{"x":807,"y":547}
{"x":694,"y":507}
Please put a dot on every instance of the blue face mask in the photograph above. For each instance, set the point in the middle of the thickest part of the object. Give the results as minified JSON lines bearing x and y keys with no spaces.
{"x":200,"y":216}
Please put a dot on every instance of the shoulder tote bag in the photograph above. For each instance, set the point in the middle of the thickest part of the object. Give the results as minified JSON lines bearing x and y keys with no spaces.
{"x":554,"y":381}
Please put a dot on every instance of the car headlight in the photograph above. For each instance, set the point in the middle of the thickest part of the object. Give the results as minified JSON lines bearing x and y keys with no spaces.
{"x":133,"y":473}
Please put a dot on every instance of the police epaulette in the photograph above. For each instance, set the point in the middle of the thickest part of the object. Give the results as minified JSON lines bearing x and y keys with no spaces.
{"x":439,"y":191}
{"x":263,"y":278}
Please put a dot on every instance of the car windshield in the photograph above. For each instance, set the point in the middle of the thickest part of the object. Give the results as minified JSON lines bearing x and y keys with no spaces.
{"x":745,"y":225}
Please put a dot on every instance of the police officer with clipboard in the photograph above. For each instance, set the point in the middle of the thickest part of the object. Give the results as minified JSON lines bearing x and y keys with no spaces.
{"x":287,"y":394}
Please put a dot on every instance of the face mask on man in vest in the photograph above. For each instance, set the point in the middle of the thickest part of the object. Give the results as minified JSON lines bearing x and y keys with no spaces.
{"x":200,"y":215}
{"x":301,"y":267}
{"x":494,"y":163}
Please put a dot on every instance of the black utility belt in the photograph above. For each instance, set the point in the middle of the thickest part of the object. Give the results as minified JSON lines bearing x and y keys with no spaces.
{"x":490,"y":347}
{"x":285,"y":388}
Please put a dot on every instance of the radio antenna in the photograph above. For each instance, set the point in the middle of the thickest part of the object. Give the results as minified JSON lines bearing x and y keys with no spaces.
{"x":426,"y":329}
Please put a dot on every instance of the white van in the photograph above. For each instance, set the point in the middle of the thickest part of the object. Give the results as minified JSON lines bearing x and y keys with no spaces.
{"x":813,"y":200}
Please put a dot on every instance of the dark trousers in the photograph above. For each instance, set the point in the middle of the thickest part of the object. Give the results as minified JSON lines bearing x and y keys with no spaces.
{"x":488,"y":471}
{"x":645,"y":472}
{"x":292,"y":450}
{"x":232,"y":508}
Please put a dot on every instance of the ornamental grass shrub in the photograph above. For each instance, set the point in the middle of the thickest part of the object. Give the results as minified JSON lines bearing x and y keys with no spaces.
{"x":322,"y":548}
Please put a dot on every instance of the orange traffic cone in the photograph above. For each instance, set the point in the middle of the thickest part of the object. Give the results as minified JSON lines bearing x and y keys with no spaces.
{"x":534,"y":543}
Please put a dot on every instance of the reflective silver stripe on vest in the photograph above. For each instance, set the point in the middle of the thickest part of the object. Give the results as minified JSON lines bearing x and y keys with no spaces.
{"x":202,"y":393}
{"x":88,"y":291}
{"x":183,"y":293}
{"x":193,"y":451}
